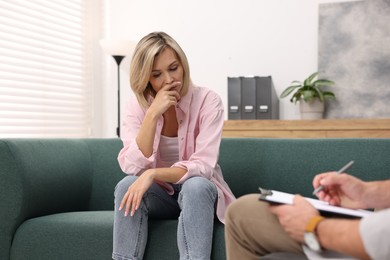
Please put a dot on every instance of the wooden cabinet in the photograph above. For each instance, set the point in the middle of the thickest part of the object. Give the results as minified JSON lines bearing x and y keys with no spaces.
{"x":326,"y":128}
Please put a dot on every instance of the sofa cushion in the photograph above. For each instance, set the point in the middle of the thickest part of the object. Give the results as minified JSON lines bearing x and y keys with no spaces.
{"x":88,"y":235}
{"x":75,"y":235}
{"x":162,"y":243}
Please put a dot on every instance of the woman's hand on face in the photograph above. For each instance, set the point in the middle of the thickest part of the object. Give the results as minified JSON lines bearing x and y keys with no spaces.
{"x":166,"y":97}
{"x":132,"y":198}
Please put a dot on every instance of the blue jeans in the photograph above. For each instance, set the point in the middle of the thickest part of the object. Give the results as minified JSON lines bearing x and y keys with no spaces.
{"x":193,"y":202}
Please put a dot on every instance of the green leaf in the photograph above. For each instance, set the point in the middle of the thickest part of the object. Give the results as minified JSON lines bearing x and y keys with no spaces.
{"x":318,"y":93}
{"x":296,"y":97}
{"x":308,"y":95}
{"x":323,"y":82}
{"x":328,"y":95}
{"x":288,"y":91}
{"x":308,"y":81}
{"x":321,"y":96}
{"x":296,"y":82}
{"x":309,"y":89}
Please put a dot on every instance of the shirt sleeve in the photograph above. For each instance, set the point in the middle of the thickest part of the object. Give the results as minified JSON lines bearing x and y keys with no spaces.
{"x":375,"y":233}
{"x":131,"y":160}
{"x":205,"y":157}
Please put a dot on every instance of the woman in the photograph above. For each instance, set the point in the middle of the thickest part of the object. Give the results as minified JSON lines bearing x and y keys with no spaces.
{"x":171,"y":137}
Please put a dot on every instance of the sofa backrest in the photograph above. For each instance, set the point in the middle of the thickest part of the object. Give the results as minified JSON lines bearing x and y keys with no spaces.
{"x":87,"y":170}
{"x":106,"y":172}
{"x":47,"y":175}
{"x":290,"y":164}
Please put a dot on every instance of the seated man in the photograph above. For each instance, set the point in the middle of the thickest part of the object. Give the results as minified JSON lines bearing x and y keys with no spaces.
{"x":254,"y":228}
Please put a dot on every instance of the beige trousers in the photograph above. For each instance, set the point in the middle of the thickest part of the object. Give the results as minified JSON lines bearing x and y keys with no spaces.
{"x":252,"y":231}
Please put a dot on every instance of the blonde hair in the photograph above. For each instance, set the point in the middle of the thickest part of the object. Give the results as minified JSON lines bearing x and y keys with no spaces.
{"x":142,"y":64}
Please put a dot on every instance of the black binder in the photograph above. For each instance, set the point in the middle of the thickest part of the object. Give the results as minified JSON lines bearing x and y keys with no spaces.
{"x":248,"y":97}
{"x":252,"y":97}
{"x":267,"y":102}
{"x":234,"y":98}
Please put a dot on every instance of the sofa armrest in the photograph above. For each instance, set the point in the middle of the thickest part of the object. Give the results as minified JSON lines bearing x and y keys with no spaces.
{"x":40,"y":177}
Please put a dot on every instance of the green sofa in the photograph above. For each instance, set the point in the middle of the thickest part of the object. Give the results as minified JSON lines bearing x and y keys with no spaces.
{"x":56,"y":195}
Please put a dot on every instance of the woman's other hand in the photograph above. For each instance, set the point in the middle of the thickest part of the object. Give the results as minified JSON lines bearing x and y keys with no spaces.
{"x":132,"y":198}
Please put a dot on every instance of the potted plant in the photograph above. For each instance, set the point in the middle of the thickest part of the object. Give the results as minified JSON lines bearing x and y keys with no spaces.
{"x":310,"y":95}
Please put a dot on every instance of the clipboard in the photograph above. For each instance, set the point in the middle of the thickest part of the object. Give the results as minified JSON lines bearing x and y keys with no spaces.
{"x":279,"y":197}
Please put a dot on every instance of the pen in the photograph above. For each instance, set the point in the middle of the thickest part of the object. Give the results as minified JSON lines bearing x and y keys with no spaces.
{"x":320,"y":188}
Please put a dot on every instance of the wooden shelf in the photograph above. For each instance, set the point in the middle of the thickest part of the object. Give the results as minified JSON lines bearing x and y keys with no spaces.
{"x":327,"y":128}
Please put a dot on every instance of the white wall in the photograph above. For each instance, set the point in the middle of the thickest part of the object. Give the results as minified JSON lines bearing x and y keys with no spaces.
{"x":222,"y":38}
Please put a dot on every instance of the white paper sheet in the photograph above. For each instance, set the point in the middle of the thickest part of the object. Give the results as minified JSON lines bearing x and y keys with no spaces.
{"x":287,"y":198}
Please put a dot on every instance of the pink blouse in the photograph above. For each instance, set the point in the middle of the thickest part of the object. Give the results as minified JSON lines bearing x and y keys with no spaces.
{"x":200,"y":117}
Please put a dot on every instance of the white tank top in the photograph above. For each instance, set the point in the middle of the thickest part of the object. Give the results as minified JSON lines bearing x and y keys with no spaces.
{"x":169,"y":151}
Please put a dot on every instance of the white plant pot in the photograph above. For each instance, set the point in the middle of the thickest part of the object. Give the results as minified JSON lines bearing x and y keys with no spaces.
{"x":312,"y":110}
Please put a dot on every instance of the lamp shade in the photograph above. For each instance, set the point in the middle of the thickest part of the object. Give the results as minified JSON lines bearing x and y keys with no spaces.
{"x":117,"y":47}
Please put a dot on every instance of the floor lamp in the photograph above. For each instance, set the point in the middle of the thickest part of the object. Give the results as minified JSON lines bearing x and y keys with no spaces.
{"x":118,"y":49}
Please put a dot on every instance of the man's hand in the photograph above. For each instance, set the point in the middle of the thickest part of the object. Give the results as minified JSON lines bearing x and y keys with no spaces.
{"x":341,"y":190}
{"x":294,"y":218}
